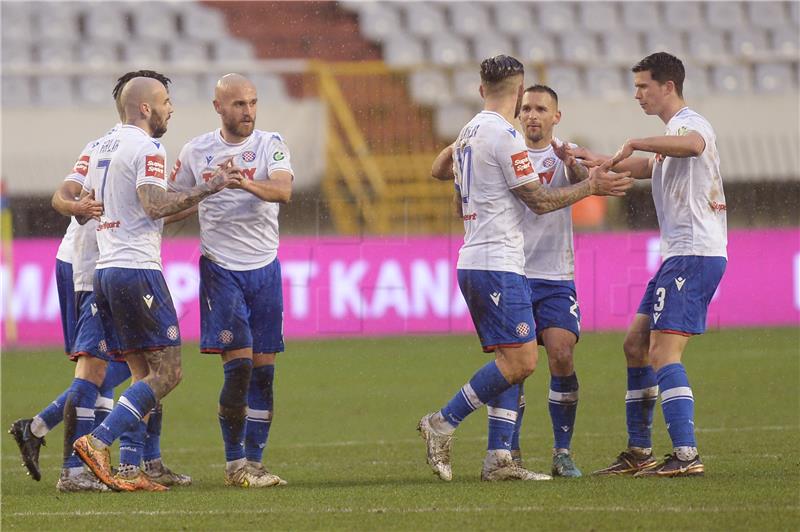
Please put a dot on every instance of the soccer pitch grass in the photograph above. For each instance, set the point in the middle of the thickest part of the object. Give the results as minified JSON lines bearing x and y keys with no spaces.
{"x":344,"y":438}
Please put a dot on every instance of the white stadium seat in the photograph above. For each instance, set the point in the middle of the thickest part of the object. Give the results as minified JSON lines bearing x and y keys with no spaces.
{"x":380,"y":22}
{"x":96,"y":54}
{"x":623,"y":48}
{"x":773,"y":77}
{"x":450,"y":118}
{"x":429,"y":87}
{"x":200,"y":23}
{"x":105,"y":21}
{"x":535,"y":47}
{"x":185,"y":88}
{"x":599,"y":16}
{"x":16,"y":23}
{"x":664,"y":41}
{"x":489,"y":45}
{"x":578,"y":46}
{"x":424,"y":19}
{"x":57,"y":21}
{"x":95,"y":89}
{"x":188,"y":53}
{"x":725,"y":15}
{"x":749,"y":44}
{"x":16,"y":91}
{"x":565,"y":80}
{"x":708,"y":46}
{"x":683,"y":15}
{"x":513,"y":18}
{"x":607,"y":82}
{"x":466,"y":83}
{"x":469,"y":19}
{"x":271,"y":87}
{"x":734,"y":79}
{"x":448,"y":50}
{"x":555,"y":16}
{"x":786,"y":41}
{"x":696,"y":82}
{"x":766,"y":15}
{"x":232,"y":50}
{"x":54,"y":90}
{"x":17,"y":54}
{"x":158,"y":22}
{"x":641,"y":15}
{"x":402,"y":50}
{"x":142,"y":52}
{"x":55,"y":53}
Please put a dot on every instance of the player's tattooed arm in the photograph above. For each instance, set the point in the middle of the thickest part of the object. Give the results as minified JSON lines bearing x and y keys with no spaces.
{"x":601,"y":182}
{"x":158,"y":202}
{"x":576,"y":172}
{"x":442,"y":168}
{"x":180,"y":216}
{"x":277,"y":189}
{"x":85,"y":207}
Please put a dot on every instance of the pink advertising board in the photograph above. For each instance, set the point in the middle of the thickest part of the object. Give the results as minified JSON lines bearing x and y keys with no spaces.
{"x":389,"y":286}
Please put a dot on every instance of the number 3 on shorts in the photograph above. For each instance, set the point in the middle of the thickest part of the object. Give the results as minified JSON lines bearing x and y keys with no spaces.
{"x":661,"y":293}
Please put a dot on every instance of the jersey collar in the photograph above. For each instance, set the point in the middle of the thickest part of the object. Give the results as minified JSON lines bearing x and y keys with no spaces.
{"x":226,"y":143}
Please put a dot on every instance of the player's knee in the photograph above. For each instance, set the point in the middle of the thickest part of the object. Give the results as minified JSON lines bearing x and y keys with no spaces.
{"x":560,"y":358}
{"x":236,"y":385}
{"x":523,"y":367}
{"x":635,"y":350}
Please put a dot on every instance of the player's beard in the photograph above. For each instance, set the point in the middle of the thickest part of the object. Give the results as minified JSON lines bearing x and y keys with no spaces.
{"x":240,"y":128}
{"x":158,"y":125}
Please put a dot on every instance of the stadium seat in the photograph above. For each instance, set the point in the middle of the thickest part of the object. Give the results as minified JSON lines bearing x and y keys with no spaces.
{"x":749,"y":44}
{"x":96,"y":54}
{"x":534,"y":47}
{"x":731,"y":78}
{"x":402,"y":50}
{"x":623,"y":48}
{"x":141,"y":52}
{"x":448,"y":50}
{"x":230,"y":50}
{"x":513,"y":18}
{"x":554,"y":17}
{"x":380,"y":21}
{"x":105,"y":21}
{"x":450,"y":118}
{"x":271,"y":87}
{"x":16,"y":90}
{"x":707,"y":46}
{"x":566,"y":80}
{"x":578,"y":46}
{"x":17,"y":54}
{"x":187,"y":53}
{"x":55,"y":53}
{"x":794,"y":9}
{"x":468,"y":19}
{"x":696,"y":82}
{"x":608,"y":82}
{"x":597,"y":16}
{"x":641,"y":15}
{"x":489,"y":45}
{"x":199,"y":23}
{"x":429,"y":87}
{"x":766,"y":15}
{"x":683,"y":16}
{"x":185,"y":89}
{"x":95,"y":89}
{"x":16,"y":24}
{"x":664,"y":41}
{"x":157,"y":23}
{"x":466,"y":81}
{"x":725,"y":15}
{"x":773,"y":78}
{"x":57,"y":21}
{"x":424,"y":19}
{"x":54,"y":90}
{"x":786,"y":41}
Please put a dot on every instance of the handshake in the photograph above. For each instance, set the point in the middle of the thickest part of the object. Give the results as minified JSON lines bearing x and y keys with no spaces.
{"x":603,"y":182}
{"x":227,"y":175}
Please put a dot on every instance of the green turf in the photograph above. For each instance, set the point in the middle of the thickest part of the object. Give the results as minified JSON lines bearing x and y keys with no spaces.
{"x":344,"y":438}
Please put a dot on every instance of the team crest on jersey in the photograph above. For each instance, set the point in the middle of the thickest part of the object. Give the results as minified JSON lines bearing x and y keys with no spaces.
{"x":249,"y":156}
{"x":522,"y":164}
{"x":523,"y":329}
{"x":225,"y":336}
{"x":548,"y":162}
{"x":172,"y":332}
{"x":102,"y":346}
{"x":154,"y":166}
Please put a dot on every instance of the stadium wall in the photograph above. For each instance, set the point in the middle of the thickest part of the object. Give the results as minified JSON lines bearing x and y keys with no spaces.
{"x":392,"y":286}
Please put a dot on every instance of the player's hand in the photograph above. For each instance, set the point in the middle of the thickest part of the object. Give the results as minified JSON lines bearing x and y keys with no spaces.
{"x":88,"y":208}
{"x":623,"y":153}
{"x":604,"y":182}
{"x":565,"y":153}
{"x":225,"y":176}
{"x":586,"y":157}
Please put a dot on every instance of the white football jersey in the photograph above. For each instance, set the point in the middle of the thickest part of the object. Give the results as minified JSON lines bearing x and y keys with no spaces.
{"x":688,"y":195}
{"x":238,"y":231}
{"x":490,"y":159}
{"x":122,"y":162}
{"x":549,"y":252}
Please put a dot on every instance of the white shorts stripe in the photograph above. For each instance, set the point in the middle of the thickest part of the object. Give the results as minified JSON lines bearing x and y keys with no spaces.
{"x":127,"y":404}
{"x":502,"y":414}
{"x":104,"y":403}
{"x":680,"y":392}
{"x":86,"y":413}
{"x":259,"y":415}
{"x":643,"y":394}
{"x":563,"y":397}
{"x":471,"y":396}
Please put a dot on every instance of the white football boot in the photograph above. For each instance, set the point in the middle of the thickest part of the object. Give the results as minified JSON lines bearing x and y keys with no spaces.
{"x":438,"y":448}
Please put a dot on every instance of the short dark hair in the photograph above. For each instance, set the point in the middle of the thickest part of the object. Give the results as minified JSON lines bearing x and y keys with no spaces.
{"x":663,"y":67}
{"x":499,"y":68}
{"x":125,"y":78}
{"x":543,"y":88}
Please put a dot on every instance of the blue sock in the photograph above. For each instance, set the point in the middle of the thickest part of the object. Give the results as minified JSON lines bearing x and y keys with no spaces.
{"x":259,"y":412}
{"x":152,"y":440}
{"x":518,"y":425}
{"x":640,"y":401}
{"x":502,"y":411}
{"x":116,"y":374}
{"x":131,"y":445}
{"x":53,"y":413}
{"x":563,"y":404}
{"x":485,"y":385}
{"x":233,"y":406}
{"x":677,"y":403}
{"x":129,"y":410}
{"x":78,"y":417}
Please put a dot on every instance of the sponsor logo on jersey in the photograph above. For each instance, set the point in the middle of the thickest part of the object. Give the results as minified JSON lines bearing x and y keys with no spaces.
{"x":546,"y":177}
{"x":470,"y":217}
{"x":154,"y":166}
{"x":278,"y":156}
{"x":148,"y":300}
{"x":512,"y":131}
{"x":683,"y":130}
{"x":209,"y":158}
{"x":249,"y":173}
{"x":495,"y":298}
{"x":679,"y":282}
{"x":522,"y":164}
{"x":108,"y":225}
{"x":250,"y":156}
{"x":175,"y":170}
{"x":82,"y":165}
{"x":717,"y":207}
{"x":656,"y":315}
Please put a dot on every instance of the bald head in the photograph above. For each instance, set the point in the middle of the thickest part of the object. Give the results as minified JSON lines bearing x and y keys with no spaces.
{"x":145,"y":102}
{"x":235,"y":100}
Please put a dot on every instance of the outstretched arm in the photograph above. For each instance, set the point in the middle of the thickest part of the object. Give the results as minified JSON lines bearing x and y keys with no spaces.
{"x":442,"y":168}
{"x":639,"y":167}
{"x":688,"y":145}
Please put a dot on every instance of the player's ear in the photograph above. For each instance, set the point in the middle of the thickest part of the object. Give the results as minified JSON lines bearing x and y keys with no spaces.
{"x":217,"y":106}
{"x":480,"y":89}
{"x":557,"y":117}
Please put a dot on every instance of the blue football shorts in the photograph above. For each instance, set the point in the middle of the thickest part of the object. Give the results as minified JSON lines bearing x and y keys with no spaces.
{"x":136,"y":309}
{"x":500,"y":306}
{"x":555,"y":304}
{"x":89,"y":336}
{"x":677,"y":297}
{"x":66,"y":300}
{"x":241,"y":309}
